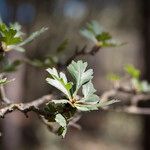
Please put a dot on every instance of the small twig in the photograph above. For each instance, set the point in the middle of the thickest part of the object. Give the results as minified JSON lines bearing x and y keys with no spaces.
{"x":106,"y":95}
{"x":82,"y":52}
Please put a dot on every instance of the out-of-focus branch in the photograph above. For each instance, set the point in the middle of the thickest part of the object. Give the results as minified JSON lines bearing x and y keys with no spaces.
{"x":82,"y":52}
{"x":129,"y":101}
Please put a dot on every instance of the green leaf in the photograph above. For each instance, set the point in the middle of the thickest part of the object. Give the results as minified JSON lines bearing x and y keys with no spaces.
{"x":94,"y":27}
{"x":63,"y":123}
{"x":88,"y":35}
{"x":91,"y":30}
{"x":18,"y":28}
{"x":9,"y":35}
{"x":104,"y":36}
{"x":79,"y":73}
{"x":33,"y":36}
{"x":94,"y":32}
{"x":88,"y":91}
{"x":3,"y":28}
{"x":59,"y":81}
{"x":62,"y":131}
{"x":103,"y":104}
{"x":61,"y":120}
{"x":113,"y":77}
{"x":132,"y":71}
{"x":145,"y":86}
{"x":140,"y":86}
{"x":51,"y":108}
{"x":5,"y":81}
{"x":86,"y":107}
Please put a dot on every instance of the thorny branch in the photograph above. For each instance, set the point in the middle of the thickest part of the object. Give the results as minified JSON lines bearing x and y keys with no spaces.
{"x":83,"y":52}
{"x":129,"y":99}
{"x":26,"y":107}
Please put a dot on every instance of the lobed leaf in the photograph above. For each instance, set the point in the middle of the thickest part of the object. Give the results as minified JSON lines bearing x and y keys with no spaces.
{"x":59,"y":81}
{"x":132,"y":71}
{"x":79,"y":73}
{"x":88,"y":91}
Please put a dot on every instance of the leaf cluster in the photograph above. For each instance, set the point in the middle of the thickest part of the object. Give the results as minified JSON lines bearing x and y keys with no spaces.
{"x":134,"y":74}
{"x":11,"y":37}
{"x":81,"y":79}
{"x":94,"y":32}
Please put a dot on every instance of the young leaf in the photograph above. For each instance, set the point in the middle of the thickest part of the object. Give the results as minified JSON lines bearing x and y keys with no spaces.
{"x":101,"y":38}
{"x":86,"y":107}
{"x":91,"y":30}
{"x":63,"y":123}
{"x":18,"y":28}
{"x":132,"y":71}
{"x":5,"y":81}
{"x":32,"y":36}
{"x":104,"y":36}
{"x":88,"y":35}
{"x":9,"y":35}
{"x":113,"y":77}
{"x":59,"y":81}
{"x":79,"y":73}
{"x":103,"y":104}
{"x":145,"y":86}
{"x":88,"y":91}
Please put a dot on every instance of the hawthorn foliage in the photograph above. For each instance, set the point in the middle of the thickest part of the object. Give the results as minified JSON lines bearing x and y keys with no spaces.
{"x":59,"y":112}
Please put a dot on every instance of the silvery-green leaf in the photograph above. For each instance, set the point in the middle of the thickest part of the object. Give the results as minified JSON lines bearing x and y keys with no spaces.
{"x":94,"y":27}
{"x":59,"y":81}
{"x":88,"y":35}
{"x":91,"y":30}
{"x":17,"y":27}
{"x":33,"y":36}
{"x":88,"y":91}
{"x":102,"y":104}
{"x":85,"y":107}
{"x":79,"y":73}
{"x":63,"y":76}
{"x":63,"y":123}
{"x":52,"y":72}
{"x":145,"y":86}
{"x":91,"y":99}
{"x":59,"y":85}
{"x":61,"y":120}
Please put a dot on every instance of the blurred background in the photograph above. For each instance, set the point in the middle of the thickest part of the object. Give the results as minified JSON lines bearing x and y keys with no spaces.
{"x":128,"y":21}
